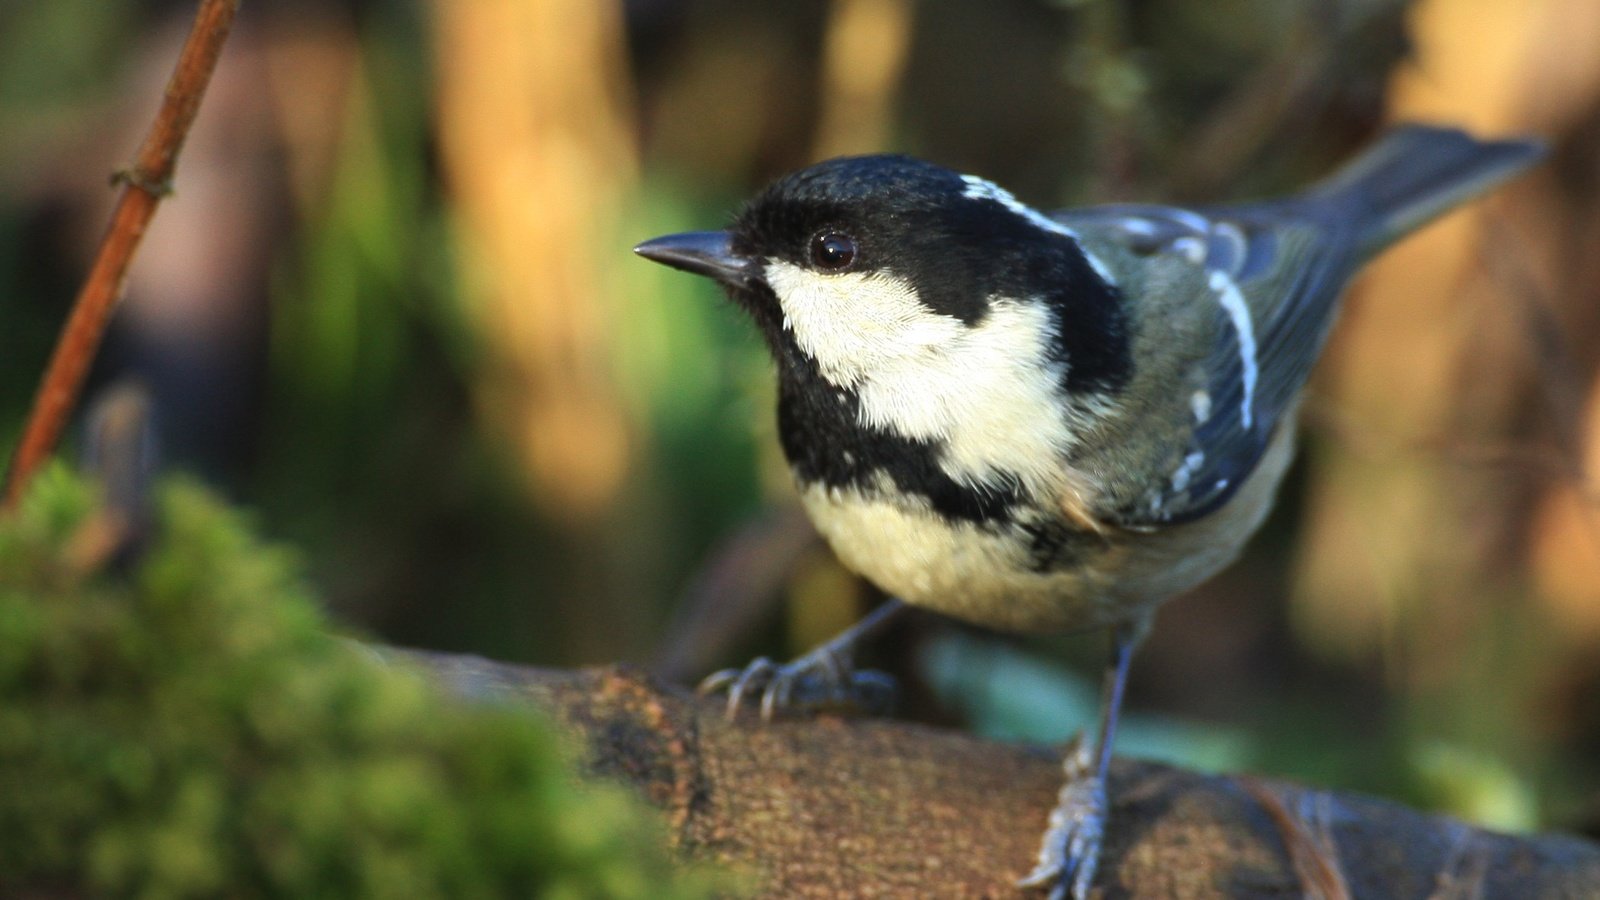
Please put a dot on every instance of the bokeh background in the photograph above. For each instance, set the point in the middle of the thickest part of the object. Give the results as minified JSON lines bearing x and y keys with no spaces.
{"x":392,"y":308}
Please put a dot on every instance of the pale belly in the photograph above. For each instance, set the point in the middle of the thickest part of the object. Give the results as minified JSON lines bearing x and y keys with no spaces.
{"x":980,"y":573}
{"x":986,"y":574}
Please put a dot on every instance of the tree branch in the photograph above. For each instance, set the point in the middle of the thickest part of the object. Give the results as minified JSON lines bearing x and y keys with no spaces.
{"x":143,"y":187}
{"x":853,"y":808}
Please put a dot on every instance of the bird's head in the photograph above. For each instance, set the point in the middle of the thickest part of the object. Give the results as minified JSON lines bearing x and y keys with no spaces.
{"x":869,"y":265}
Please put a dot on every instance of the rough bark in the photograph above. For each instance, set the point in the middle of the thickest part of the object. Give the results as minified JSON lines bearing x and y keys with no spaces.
{"x":831,"y":807}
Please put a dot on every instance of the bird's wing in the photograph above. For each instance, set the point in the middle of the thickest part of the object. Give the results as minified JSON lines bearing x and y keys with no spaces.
{"x":1273,"y":278}
{"x":1275,"y":271}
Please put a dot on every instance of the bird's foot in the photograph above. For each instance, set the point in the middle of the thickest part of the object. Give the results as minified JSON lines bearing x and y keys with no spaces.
{"x":820,"y":680}
{"x":1071,"y":848}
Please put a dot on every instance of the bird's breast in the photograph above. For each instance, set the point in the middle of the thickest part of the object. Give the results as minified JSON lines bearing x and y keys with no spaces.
{"x":1031,"y":566}
{"x":1022,"y":571}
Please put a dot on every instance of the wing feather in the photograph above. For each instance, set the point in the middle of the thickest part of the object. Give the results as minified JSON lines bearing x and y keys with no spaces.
{"x":1287,"y":274}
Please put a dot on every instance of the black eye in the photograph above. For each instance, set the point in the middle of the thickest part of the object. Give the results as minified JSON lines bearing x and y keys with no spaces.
{"x":833,"y":250}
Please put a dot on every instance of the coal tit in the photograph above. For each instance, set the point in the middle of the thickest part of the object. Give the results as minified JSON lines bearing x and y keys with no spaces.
{"x":1043,"y":422}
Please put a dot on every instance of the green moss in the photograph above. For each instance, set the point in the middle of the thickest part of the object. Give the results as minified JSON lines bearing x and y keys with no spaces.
{"x":191,"y":727}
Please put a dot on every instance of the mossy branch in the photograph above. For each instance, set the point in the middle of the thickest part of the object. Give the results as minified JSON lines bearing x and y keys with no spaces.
{"x":855,"y":808}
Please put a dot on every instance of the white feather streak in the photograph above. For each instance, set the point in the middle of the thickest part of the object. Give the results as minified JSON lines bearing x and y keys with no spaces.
{"x":1232,"y":300}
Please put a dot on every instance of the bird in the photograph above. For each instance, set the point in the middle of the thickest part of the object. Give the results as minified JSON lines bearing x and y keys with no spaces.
{"x":1048,"y":421}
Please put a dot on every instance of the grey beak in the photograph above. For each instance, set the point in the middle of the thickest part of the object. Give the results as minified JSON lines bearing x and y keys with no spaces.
{"x":708,"y":253}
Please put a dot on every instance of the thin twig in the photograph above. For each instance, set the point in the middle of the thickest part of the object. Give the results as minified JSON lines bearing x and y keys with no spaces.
{"x":143,"y":187}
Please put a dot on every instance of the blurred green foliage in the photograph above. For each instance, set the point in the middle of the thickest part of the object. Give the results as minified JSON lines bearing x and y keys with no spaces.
{"x":192,"y":728}
{"x":83,"y":42}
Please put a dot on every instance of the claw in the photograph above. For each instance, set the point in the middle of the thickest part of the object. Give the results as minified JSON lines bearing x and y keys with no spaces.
{"x":755,"y":676}
{"x":776,"y":697}
{"x":1071,"y":849}
{"x":716,"y":681}
{"x":818,"y":680}
{"x":1070,"y":852}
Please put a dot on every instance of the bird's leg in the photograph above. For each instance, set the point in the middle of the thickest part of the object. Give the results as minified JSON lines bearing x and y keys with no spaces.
{"x":824,"y":678}
{"x":1071,"y":848}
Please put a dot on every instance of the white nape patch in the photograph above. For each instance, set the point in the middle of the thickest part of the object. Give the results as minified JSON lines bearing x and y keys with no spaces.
{"x":990,"y":392}
{"x":1232,"y":300}
{"x":984,"y":189}
{"x":1191,"y":465}
{"x":1200,"y":405}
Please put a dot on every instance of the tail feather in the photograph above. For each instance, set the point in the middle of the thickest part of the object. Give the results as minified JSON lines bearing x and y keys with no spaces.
{"x":1413,"y":174}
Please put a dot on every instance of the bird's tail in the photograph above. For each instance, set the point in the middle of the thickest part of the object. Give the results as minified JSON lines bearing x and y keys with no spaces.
{"x":1413,"y":174}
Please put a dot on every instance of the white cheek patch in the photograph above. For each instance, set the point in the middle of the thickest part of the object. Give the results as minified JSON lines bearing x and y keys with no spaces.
{"x":856,"y":325}
{"x":989,"y":392}
{"x":994,"y":396}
